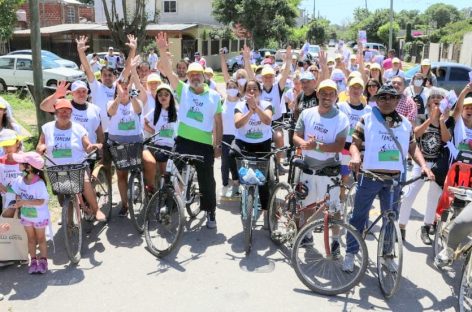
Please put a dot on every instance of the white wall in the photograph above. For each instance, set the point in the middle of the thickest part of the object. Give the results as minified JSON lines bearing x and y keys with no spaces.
{"x":188,"y":11}
{"x":466,"y":50}
{"x":131,"y":5}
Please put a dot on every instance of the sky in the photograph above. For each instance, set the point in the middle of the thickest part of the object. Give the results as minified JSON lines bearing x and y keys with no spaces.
{"x":339,"y":11}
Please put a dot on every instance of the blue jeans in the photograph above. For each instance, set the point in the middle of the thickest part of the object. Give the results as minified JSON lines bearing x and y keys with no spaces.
{"x":367,"y":190}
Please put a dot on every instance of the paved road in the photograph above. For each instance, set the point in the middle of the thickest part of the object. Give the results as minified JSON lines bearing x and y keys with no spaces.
{"x":209,"y":272}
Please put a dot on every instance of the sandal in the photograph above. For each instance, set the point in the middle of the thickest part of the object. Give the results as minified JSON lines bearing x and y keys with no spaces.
{"x":123,"y":212}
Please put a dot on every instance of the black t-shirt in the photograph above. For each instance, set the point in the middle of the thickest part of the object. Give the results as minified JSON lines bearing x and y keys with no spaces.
{"x":305,"y":101}
{"x":430,"y":142}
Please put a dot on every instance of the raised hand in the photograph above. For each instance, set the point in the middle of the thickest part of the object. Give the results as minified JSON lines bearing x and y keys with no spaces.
{"x":288,"y":54}
{"x":133,"y":42}
{"x":161,"y":41}
{"x":62,"y":89}
{"x":82,"y":44}
{"x":246,"y":52}
{"x":323,"y":58}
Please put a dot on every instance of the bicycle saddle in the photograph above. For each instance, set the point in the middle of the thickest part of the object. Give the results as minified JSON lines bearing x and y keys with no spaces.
{"x":300,"y":163}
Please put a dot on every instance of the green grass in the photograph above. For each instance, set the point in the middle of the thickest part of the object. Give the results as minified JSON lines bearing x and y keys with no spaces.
{"x":218,"y":77}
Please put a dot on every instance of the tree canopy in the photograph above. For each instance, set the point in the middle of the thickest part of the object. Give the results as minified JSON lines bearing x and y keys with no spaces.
{"x":265,"y":20}
{"x":8,"y":20}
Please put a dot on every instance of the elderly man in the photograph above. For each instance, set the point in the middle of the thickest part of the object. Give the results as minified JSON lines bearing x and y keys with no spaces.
{"x":382,"y":157}
{"x":199,"y":117}
{"x":307,"y":98}
{"x":406,"y":106}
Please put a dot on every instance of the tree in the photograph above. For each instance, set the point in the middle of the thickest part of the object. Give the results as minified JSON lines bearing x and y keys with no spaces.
{"x":408,"y":36}
{"x":318,"y":31}
{"x":263,"y":19}
{"x":8,"y":10}
{"x":384,"y":32}
{"x":442,"y":14}
{"x":134,"y":21}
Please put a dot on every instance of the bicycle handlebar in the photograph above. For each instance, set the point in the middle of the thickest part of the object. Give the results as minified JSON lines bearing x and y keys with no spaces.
{"x":87,"y":157}
{"x":178,"y":155}
{"x":392,"y":180}
{"x":264,"y":155}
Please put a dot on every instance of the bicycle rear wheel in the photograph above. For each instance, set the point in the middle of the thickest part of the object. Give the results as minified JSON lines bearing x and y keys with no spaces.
{"x":323,"y":273}
{"x":465,"y":291}
{"x":164,"y":222}
{"x":192,"y":198}
{"x":247,"y":220}
{"x":136,"y":200}
{"x":72,"y":227}
{"x":440,"y":239}
{"x":389,"y":257}
{"x":102,"y":188}
{"x":282,"y":225}
{"x":348,"y":205}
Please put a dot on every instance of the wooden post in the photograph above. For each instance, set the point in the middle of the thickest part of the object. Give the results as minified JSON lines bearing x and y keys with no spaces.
{"x":38,"y":95}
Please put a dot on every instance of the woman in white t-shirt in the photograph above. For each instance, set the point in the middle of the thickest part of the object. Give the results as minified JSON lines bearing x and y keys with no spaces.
{"x":253,"y":119}
{"x":229,"y":130}
{"x":162,"y":120}
{"x":124,"y":127}
{"x":66,"y":142}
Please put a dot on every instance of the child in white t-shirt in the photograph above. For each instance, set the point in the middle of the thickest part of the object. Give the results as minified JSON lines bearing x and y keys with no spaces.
{"x":32,"y":198}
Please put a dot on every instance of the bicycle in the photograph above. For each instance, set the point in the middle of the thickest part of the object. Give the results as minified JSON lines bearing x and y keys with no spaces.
{"x":164,"y":214}
{"x":253,"y":172}
{"x":67,"y":181}
{"x":129,"y":156}
{"x":390,"y":244}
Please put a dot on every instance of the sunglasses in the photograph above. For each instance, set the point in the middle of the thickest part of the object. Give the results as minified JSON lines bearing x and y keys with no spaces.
{"x":314,"y":70}
{"x":388,"y":97}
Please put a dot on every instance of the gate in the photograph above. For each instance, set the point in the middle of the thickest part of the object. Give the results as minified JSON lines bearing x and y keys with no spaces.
{"x":189,"y":47}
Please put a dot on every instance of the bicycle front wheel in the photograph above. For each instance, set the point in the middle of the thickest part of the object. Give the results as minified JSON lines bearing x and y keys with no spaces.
{"x":440,"y":240}
{"x":72,"y":227}
{"x":136,"y":200}
{"x":247,"y":220}
{"x":348,"y":205}
{"x":192,"y":198}
{"x":465,"y":292}
{"x":102,"y":188}
{"x":322,"y":272}
{"x":164,"y":222}
{"x":282,"y":225}
{"x":389,"y":257}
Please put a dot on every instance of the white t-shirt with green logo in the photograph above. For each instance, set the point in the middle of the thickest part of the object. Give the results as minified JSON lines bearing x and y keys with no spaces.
{"x":254,"y":131}
{"x":167,"y":130}
{"x":126,"y":122}
{"x":36,"y":190}
{"x":64,"y":146}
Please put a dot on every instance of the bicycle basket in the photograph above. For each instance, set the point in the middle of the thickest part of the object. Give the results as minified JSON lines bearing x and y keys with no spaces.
{"x":67,"y":179}
{"x":127,"y":156}
{"x":261,"y":166}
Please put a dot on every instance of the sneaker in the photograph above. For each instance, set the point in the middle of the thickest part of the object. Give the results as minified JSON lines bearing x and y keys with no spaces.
{"x":425,"y":235}
{"x":42,"y":265}
{"x":348,"y":264}
{"x":281,"y":169}
{"x":225,"y":190}
{"x":389,"y":263}
{"x":335,"y":249}
{"x":211,"y":221}
{"x":444,"y":258}
{"x":33,"y":267}
{"x":236,"y":190}
{"x":307,"y":241}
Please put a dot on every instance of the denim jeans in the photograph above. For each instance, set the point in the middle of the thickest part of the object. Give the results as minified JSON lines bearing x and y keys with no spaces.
{"x":226,"y":162}
{"x":367,"y":190}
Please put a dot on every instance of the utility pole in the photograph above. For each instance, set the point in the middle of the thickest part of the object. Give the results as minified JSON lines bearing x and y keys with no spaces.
{"x":390,"y":33}
{"x":366,"y":6}
{"x":37,"y":66}
{"x":314,"y":9}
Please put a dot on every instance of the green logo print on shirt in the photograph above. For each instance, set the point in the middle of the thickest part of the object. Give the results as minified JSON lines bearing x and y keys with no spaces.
{"x":62,"y":153}
{"x":194,"y":114}
{"x":254,"y":134}
{"x":464,"y":147}
{"x":127,"y":125}
{"x":29,"y":212}
{"x":389,"y":155}
{"x":166,"y":133}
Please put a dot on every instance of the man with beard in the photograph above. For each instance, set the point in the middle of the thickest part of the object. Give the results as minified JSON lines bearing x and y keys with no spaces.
{"x":199,"y":116}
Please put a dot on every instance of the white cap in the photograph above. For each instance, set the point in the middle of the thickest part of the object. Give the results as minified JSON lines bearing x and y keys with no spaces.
{"x":79,"y":84}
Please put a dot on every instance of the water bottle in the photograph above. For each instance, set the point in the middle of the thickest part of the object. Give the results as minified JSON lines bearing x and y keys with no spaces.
{"x":260,"y":176}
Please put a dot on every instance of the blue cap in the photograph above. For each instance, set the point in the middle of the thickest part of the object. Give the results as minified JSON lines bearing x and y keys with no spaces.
{"x":307,"y":76}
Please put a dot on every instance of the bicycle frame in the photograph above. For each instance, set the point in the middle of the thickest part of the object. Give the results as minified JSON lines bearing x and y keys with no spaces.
{"x":256,"y":206}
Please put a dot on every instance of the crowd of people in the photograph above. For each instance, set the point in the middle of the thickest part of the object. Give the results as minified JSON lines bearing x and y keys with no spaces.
{"x":338,"y":106}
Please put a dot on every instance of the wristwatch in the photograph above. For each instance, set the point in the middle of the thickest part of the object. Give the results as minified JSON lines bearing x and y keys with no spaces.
{"x":218,"y":146}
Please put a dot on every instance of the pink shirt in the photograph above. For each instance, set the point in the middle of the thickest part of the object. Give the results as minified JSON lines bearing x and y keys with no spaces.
{"x":387,"y":64}
{"x":407,"y":107}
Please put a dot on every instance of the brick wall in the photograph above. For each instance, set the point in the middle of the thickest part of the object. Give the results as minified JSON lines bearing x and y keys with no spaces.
{"x":87,"y":12}
{"x":54,"y":13}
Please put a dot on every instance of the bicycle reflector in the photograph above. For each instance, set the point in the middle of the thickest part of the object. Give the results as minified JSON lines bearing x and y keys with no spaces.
{"x":301,"y":190}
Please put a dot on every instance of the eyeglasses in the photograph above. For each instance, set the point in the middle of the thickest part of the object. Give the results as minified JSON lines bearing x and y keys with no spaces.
{"x":384,"y":98}
{"x":372,"y":85}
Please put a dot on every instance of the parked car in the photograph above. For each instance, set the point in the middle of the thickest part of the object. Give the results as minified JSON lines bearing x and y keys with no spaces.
{"x":280,"y":54}
{"x":450,"y":76}
{"x":332,"y":43}
{"x":49,"y":55}
{"x":101,"y":55}
{"x":17,"y":70}
{"x":373,"y":46}
{"x":232,"y":63}
{"x":314,"y":51}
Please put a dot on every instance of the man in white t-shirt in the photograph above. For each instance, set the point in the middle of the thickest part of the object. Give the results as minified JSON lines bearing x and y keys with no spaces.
{"x":111,"y":60}
{"x":152,"y":60}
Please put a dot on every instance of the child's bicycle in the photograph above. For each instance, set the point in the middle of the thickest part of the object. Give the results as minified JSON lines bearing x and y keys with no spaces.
{"x":67,"y":181}
{"x":253,"y":171}
{"x":164,"y":216}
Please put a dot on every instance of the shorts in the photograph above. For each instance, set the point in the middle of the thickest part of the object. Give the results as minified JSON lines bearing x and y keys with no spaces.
{"x":159,"y":156}
{"x":37,"y":225}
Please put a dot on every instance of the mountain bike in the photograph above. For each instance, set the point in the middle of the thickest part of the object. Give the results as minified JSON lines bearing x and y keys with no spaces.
{"x":164,"y":215}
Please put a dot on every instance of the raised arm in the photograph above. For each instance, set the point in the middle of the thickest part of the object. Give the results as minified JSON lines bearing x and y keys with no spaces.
{"x":224,"y":66}
{"x":165,"y":65}
{"x":287,"y":65}
{"x":81,"y":48}
{"x":460,"y":101}
{"x":247,"y":62}
{"x":48,"y":103}
{"x":133,"y":45}
{"x":136,"y":81}
{"x":323,"y":60}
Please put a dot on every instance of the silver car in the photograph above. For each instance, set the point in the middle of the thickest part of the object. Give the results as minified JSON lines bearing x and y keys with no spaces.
{"x":450,"y":76}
